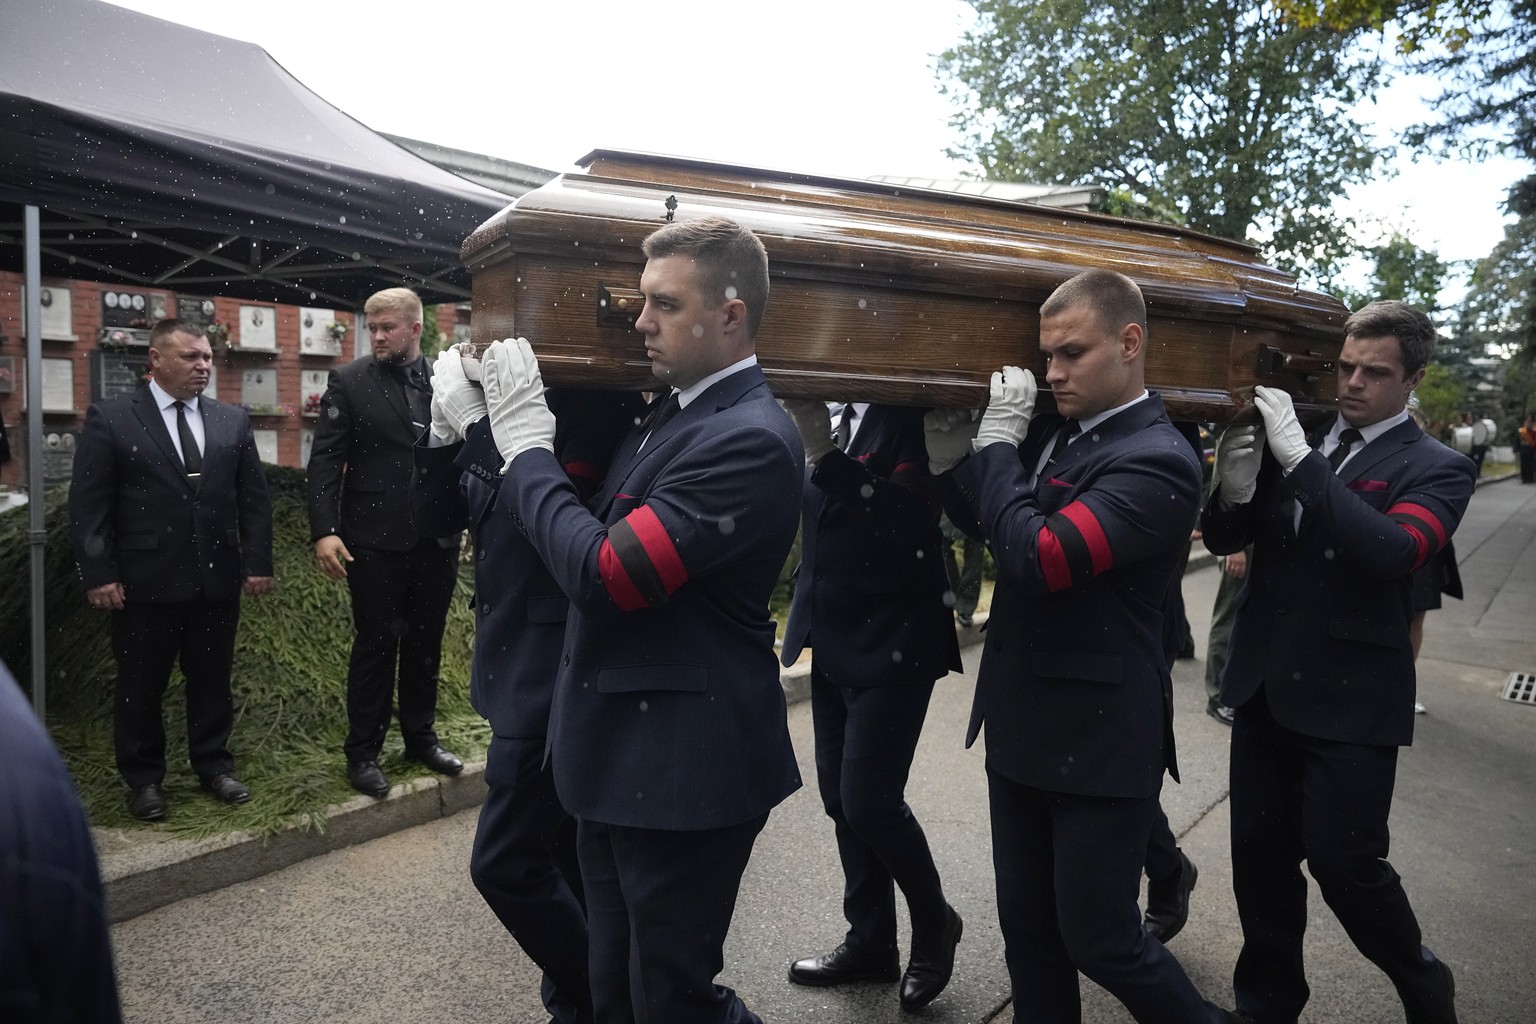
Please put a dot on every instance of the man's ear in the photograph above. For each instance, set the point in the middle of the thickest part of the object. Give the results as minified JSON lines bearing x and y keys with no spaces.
{"x":1132,"y":338}
{"x":735,"y":311}
{"x":1415,"y":379}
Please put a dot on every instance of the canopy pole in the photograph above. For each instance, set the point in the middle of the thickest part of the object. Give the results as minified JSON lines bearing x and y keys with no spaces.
{"x":37,"y":536}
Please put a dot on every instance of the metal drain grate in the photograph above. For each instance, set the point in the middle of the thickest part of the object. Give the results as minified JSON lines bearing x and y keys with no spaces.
{"x":1520,"y":688}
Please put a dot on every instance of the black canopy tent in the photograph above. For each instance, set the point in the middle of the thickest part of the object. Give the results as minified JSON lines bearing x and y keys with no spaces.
{"x":163,"y":156}
{"x":137,"y":151}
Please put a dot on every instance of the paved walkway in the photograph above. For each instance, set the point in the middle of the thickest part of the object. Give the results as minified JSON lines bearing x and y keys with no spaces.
{"x":391,"y":928}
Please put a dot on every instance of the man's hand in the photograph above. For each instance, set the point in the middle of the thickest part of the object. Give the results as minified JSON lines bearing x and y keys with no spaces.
{"x":456,"y":403}
{"x":1235,"y":565}
{"x":948,"y":433}
{"x":815,"y":425}
{"x":1010,"y":405}
{"x":108,"y":597}
{"x":259,"y":585}
{"x":1237,"y":465}
{"x":1283,"y":431}
{"x":514,"y":395}
{"x":332,"y":556}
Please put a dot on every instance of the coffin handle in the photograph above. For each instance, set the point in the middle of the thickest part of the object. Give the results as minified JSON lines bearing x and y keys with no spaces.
{"x":1272,"y":361}
{"x":618,"y":306}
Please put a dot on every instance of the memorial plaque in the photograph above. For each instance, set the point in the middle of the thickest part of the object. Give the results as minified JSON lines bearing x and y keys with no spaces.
{"x":58,"y":456}
{"x":258,"y":329}
{"x":58,"y":385}
{"x":195,"y":309}
{"x":266,"y":446}
{"x":121,"y":307}
{"x":258,"y":390}
{"x":58,"y":313}
{"x":116,"y":373}
{"x":315,"y":332}
{"x":312,"y":389}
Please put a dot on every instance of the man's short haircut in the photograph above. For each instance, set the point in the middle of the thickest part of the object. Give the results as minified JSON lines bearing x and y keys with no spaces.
{"x":731,"y":261}
{"x":169,"y":326}
{"x":401,"y":300}
{"x":1415,"y":334}
{"x":1114,"y":299}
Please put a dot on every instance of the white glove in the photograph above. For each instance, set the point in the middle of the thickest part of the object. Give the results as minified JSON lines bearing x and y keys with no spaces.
{"x":1009,"y":408}
{"x":1281,"y":428}
{"x":948,"y":434}
{"x":514,"y":396}
{"x":1237,"y":464}
{"x":815,"y":425}
{"x":456,"y":403}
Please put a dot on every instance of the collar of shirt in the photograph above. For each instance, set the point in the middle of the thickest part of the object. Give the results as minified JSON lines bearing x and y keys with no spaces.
{"x":1088,"y":424}
{"x":164,"y":398}
{"x":686,"y":396}
{"x":1367,"y":434}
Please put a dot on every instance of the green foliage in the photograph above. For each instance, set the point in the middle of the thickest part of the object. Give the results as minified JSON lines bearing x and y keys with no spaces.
{"x":1440,"y":395}
{"x":1404,"y":272}
{"x":432,"y":339}
{"x":1450,"y":23}
{"x":1222,"y":117}
{"x":289,"y":682}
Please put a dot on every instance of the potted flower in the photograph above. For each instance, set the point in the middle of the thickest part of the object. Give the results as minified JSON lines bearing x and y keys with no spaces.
{"x":337,"y":331}
{"x":218,"y":335}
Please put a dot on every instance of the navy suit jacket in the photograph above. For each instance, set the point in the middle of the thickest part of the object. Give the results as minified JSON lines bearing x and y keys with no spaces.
{"x":870,"y":590}
{"x":668,"y":712}
{"x":520,"y":610}
{"x":1322,"y":623}
{"x":360,"y":464}
{"x":1074,"y":687}
{"x":136,"y":519}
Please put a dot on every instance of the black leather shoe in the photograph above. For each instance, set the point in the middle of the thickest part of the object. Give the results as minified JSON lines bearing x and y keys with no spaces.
{"x":147,"y":803}
{"x":1221,"y":713}
{"x":1168,"y":902}
{"x":367,"y":777}
{"x":932,"y":963}
{"x":844,"y":965}
{"x":438,"y":759}
{"x":227,"y":788}
{"x":1443,"y":1008}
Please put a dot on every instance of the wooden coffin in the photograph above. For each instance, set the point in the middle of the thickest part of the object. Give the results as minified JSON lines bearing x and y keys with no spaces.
{"x":886,"y":293}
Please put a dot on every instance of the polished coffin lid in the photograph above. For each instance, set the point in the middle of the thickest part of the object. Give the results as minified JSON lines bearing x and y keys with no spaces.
{"x":887,"y":293}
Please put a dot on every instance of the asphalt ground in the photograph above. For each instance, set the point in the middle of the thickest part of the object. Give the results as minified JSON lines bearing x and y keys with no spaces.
{"x":376,"y":919}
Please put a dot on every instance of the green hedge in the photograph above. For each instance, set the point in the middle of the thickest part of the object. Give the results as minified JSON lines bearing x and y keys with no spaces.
{"x":289,"y":681}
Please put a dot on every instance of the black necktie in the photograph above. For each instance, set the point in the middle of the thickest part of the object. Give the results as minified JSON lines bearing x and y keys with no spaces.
{"x":418,"y":393}
{"x":1347,"y":439}
{"x":191,"y":455}
{"x":657,"y":415}
{"x":844,"y":427}
{"x":1064,"y":436}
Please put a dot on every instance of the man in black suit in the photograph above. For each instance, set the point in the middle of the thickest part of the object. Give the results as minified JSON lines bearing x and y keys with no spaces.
{"x":524,"y":859}
{"x":668,"y":733}
{"x":360,"y":469}
{"x":870,"y":598}
{"x":170,"y":521}
{"x":1321,"y":669}
{"x":1087,"y":520}
{"x":55,"y":939}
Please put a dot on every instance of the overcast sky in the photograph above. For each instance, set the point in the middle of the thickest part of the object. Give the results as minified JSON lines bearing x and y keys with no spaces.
{"x":838,"y":87}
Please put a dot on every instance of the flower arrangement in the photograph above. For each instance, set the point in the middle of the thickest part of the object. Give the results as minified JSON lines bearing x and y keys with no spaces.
{"x":337,"y":331}
{"x":218,"y":334}
{"x":281,"y":409}
{"x":312,"y":403}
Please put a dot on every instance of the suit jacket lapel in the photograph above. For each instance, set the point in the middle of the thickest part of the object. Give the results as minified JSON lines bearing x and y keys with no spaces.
{"x":1369,"y":456}
{"x":394,"y":394}
{"x":154,"y":424}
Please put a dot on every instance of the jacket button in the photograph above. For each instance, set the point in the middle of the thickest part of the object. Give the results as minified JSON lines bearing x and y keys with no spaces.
{"x":482,"y":553}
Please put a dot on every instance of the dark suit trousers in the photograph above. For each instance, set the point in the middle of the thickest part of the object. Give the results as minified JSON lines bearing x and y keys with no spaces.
{"x":1295,"y":797}
{"x":659,"y":904}
{"x":524,"y":864}
{"x":148,"y":640}
{"x":399,"y":604}
{"x":865,"y":740}
{"x":1068,"y":876}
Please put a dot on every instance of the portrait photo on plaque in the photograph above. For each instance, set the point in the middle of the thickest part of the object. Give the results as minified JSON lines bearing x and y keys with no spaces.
{"x":258,"y":388}
{"x":58,"y":316}
{"x":320,"y":332}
